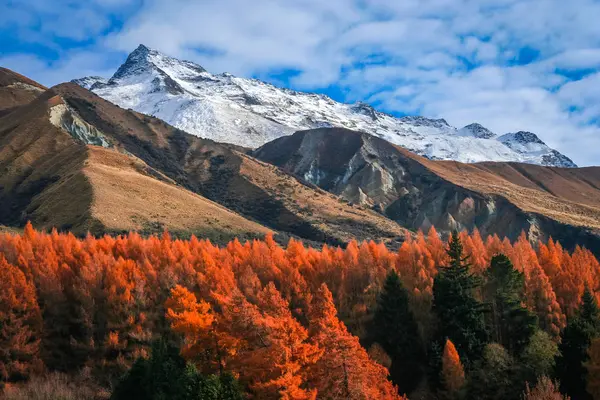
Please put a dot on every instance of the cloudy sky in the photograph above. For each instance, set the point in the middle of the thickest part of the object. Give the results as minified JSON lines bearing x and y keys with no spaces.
{"x":508,"y":64}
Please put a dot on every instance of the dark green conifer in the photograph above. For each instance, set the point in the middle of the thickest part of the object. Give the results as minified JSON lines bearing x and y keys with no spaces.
{"x":575,"y":341}
{"x":395,"y":329}
{"x":510,"y":323}
{"x":166,"y":376}
{"x":459,"y":314}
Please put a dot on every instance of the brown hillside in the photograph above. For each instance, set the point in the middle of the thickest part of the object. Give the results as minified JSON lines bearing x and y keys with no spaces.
{"x":501,"y":198}
{"x":568,"y":195}
{"x":225,"y":175}
{"x":130,"y":195}
{"x":16,"y":90}
{"x":56,"y":180}
{"x":75,"y":161}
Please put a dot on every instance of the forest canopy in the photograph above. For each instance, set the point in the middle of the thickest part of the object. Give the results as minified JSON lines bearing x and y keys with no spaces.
{"x":474,"y":317}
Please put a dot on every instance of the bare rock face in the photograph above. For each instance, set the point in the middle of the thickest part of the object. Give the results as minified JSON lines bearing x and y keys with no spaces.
{"x":370,"y":171}
{"x":414,"y":191}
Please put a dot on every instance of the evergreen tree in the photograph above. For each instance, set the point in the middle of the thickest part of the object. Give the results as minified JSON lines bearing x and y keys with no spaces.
{"x":511,"y":323}
{"x":459,"y":313}
{"x":395,"y":329}
{"x":165,"y":375}
{"x":575,"y":342}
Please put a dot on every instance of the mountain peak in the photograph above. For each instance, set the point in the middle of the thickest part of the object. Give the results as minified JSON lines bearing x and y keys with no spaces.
{"x":90,"y":82}
{"x":142,"y":48}
{"x":522,"y":137}
{"x":476,"y":130}
{"x":137,"y":61}
{"x":423,"y":121}
{"x":163,"y":69}
{"x":528,"y":142}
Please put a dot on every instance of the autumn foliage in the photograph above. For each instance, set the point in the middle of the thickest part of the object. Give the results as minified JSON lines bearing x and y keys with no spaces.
{"x":453,"y":373}
{"x":286,"y":321}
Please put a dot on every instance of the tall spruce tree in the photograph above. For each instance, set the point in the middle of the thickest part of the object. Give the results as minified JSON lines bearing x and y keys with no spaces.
{"x":395,"y":329}
{"x":510,"y":323}
{"x":575,"y":341}
{"x":460,"y":315}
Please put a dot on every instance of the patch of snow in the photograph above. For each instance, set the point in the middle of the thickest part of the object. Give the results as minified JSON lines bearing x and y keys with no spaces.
{"x":88,"y":82}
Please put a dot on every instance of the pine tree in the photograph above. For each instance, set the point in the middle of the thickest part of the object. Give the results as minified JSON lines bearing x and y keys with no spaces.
{"x":395,"y":329}
{"x":575,"y":342}
{"x":459,"y":313}
{"x":511,"y":323}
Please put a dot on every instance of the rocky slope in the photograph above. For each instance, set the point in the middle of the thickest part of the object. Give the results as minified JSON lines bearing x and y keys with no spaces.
{"x":250,"y":113}
{"x":502,"y":198}
{"x":75,"y":161}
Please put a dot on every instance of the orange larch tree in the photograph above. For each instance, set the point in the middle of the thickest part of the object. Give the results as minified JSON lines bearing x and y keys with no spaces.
{"x":20,"y":325}
{"x":286,"y":353}
{"x":453,"y":373}
{"x":345,"y":370}
{"x":192,"y":320}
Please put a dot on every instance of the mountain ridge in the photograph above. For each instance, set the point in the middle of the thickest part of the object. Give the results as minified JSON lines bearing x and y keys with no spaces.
{"x":497,"y":198}
{"x":250,"y":113}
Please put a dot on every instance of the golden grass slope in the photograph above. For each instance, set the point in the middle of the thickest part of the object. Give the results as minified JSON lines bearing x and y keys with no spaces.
{"x":55,"y":180}
{"x":128,"y":195}
{"x":567,"y":195}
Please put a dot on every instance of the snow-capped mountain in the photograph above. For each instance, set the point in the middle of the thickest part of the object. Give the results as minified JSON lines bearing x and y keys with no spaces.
{"x":250,"y":113}
{"x":530,"y":144}
{"x":90,"y":81}
{"x":477,"y":131}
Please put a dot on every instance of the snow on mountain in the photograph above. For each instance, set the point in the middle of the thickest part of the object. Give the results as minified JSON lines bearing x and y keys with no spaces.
{"x":89,"y":81}
{"x":531,"y":145}
{"x":477,"y":131}
{"x":250,"y":113}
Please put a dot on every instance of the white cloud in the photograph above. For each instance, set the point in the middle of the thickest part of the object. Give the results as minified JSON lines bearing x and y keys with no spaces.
{"x":70,"y":66}
{"x":440,"y":58}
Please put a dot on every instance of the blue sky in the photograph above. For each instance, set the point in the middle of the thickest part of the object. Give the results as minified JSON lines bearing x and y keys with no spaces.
{"x":510,"y":65}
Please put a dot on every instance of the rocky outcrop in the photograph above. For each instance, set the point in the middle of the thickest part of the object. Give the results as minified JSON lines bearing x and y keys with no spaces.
{"x":411,"y":190}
